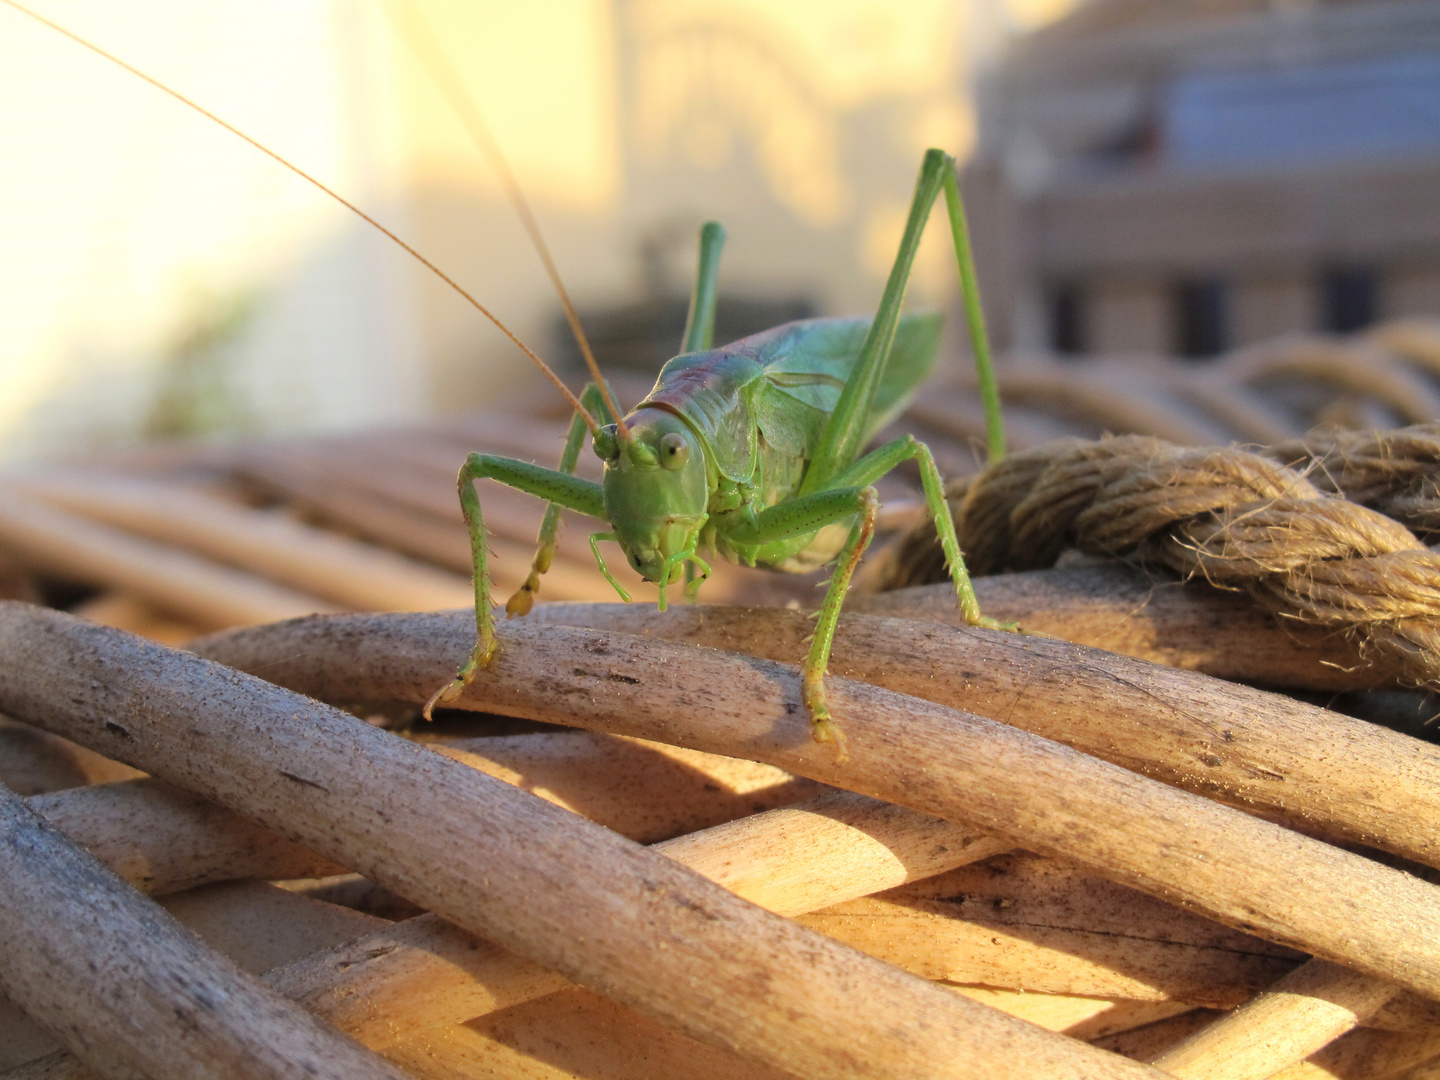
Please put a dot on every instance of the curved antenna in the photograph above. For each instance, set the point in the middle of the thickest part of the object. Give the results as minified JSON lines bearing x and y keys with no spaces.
{"x":590,"y":421}
{"x":434,"y":60}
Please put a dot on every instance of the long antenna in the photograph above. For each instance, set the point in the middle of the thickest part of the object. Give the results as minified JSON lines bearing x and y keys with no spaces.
{"x":435,"y":61}
{"x":544,"y":367}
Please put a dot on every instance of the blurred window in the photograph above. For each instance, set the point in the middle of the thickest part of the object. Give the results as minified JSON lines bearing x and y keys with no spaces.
{"x":1201,"y":308}
{"x":1348,"y":298}
{"x":1380,"y":108}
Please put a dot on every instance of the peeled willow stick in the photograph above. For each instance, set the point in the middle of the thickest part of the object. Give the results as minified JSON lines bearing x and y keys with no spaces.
{"x":425,"y":974}
{"x":1372,"y":1055}
{"x":163,"y":840}
{"x":1303,"y":1012}
{"x":600,"y":909}
{"x":1029,"y":791}
{"x":1041,"y":924}
{"x":78,"y":549}
{"x":276,"y":547}
{"x":1226,"y":741}
{"x":646,"y":791}
{"x":129,"y":990}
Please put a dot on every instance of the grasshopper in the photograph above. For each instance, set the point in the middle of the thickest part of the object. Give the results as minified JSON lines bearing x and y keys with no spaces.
{"x":754,"y":452}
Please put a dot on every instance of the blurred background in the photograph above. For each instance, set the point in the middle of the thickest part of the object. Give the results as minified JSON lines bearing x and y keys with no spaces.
{"x":163,"y":278}
{"x":1205,"y":220}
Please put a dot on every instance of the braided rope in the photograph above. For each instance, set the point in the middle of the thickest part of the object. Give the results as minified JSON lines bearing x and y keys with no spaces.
{"x":1238,"y":519}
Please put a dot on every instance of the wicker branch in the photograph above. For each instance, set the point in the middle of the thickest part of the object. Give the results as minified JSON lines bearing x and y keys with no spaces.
{"x":599,"y":909}
{"x":1241,"y":871}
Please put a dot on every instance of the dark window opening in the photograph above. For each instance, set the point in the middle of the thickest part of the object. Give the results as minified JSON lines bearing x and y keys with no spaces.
{"x":1065,"y":311}
{"x":1349,"y":298}
{"x":1202,"y":317}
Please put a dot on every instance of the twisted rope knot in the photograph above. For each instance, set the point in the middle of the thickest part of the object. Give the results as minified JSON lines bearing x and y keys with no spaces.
{"x":1240,"y":520}
{"x":1395,"y":472}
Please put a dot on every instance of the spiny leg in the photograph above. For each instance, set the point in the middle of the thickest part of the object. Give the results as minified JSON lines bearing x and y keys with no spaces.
{"x":524,"y":598}
{"x":854,"y":497}
{"x":848,"y":428}
{"x":975,"y":320}
{"x":558,"y":488}
{"x":817,"y":660}
{"x":799,"y":516}
{"x":835,"y":464}
{"x":908,"y":448}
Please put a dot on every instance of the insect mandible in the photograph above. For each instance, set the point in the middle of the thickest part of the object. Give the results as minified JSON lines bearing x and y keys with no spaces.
{"x":755,"y":452}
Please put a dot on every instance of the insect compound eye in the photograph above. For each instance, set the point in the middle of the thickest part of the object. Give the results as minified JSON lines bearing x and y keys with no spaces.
{"x":607,"y":447}
{"x":673,"y":450}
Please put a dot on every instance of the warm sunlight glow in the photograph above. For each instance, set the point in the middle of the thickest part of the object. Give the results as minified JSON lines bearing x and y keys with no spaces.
{"x":542,"y":74}
{"x":123,"y":210}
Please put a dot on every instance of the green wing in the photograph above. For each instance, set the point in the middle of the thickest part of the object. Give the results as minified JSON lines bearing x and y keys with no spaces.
{"x":784,"y":383}
{"x":806,"y":365}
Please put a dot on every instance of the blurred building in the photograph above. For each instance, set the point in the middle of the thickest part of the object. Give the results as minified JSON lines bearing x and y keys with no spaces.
{"x":163,"y":278}
{"x":1185,"y":176}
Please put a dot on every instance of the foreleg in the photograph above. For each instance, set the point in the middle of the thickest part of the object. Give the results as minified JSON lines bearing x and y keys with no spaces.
{"x":524,"y":598}
{"x":558,"y":488}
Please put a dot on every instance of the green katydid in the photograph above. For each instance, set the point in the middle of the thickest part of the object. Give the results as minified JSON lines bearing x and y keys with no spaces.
{"x":754,"y":451}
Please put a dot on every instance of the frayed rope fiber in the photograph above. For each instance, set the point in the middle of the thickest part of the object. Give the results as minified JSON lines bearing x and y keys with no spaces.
{"x":1286,"y":525}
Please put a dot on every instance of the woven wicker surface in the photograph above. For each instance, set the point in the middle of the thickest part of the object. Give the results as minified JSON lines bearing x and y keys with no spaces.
{"x":1138,"y":932}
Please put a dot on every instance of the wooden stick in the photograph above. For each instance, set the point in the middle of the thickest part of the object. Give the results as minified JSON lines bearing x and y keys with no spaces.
{"x":1108,"y":407}
{"x":129,"y":990}
{"x":1303,"y":1012}
{"x":1368,"y":1055}
{"x":1124,"y":610}
{"x":126,"y":611}
{"x":1229,"y":742}
{"x":1240,"y":871}
{"x":643,"y":790}
{"x":72,"y":547}
{"x":1044,"y":925}
{"x":572,"y":895}
{"x":423,"y":535}
{"x":261,"y":926}
{"x":570,"y":1035}
{"x":1365,"y":372}
{"x":355,"y":575}
{"x":163,"y":840}
{"x":576,"y":1034}
{"x":841,"y":844}
{"x":34,"y":761}
{"x":424,"y":972}
{"x":794,"y":860}
{"x":255,"y":925}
